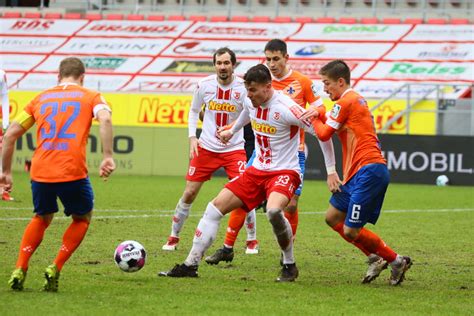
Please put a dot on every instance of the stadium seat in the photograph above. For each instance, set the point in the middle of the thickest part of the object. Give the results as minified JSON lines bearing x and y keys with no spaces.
{"x":325,"y":20}
{"x":455,"y":3}
{"x":197,"y":18}
{"x":93,"y":16}
{"x":282,"y":19}
{"x":114,"y":16}
{"x":53,"y":15}
{"x":11,"y":15}
{"x":412,"y":3}
{"x":369,"y":21}
{"x":368,"y":2}
{"x":32,"y":15}
{"x":433,"y":3}
{"x":347,"y":20}
{"x":135,"y":17}
{"x":218,"y":18}
{"x":391,"y":21}
{"x":239,"y":18}
{"x":176,"y":18}
{"x":459,"y":21}
{"x":304,"y":19}
{"x":413,"y":21}
{"x":436,"y":21}
{"x":155,"y":17}
{"x":260,"y":18}
{"x":72,"y":16}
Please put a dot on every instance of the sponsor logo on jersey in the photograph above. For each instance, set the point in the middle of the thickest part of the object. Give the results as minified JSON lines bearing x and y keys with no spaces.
{"x":216,"y":106}
{"x":263,"y":127}
{"x":335,"y":110}
{"x":310,"y":50}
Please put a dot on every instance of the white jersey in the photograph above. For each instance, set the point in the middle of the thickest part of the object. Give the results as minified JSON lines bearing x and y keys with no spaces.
{"x":276,"y":127}
{"x":4,"y":100}
{"x":223,"y":106}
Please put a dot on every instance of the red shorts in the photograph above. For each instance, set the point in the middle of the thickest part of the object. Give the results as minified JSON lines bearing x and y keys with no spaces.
{"x":203,"y":166}
{"x":254,"y":186}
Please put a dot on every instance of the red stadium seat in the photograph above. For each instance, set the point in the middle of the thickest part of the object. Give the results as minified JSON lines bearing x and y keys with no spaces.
{"x":197,"y":18}
{"x":32,"y":15}
{"x":218,"y":18}
{"x":260,"y":18}
{"x":391,"y":21}
{"x":93,"y":16}
{"x":114,"y":16}
{"x":304,"y":19}
{"x":347,"y":20}
{"x":459,"y":21}
{"x":176,"y":18}
{"x":72,"y":16}
{"x":282,"y":19}
{"x":53,"y":15}
{"x":436,"y":21}
{"x":135,"y":17}
{"x":11,"y":15}
{"x":239,"y":18}
{"x":369,"y":21}
{"x":413,"y":21}
{"x":326,"y":20}
{"x":155,"y":17}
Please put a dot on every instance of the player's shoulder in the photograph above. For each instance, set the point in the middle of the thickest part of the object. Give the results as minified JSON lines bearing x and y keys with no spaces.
{"x":281,"y":99}
{"x":210,"y":80}
{"x":352,"y":96}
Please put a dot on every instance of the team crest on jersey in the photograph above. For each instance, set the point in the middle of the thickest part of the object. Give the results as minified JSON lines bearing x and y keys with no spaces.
{"x":314,"y":89}
{"x":236,"y":95}
{"x":335,"y":110}
{"x":276,"y":115}
{"x":362,"y":102}
{"x":191,"y":170}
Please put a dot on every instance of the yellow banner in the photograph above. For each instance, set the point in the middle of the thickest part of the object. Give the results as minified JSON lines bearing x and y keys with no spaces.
{"x":159,"y":110}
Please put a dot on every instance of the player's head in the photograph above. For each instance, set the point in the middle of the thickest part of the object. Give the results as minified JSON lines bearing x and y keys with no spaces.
{"x":72,"y":68}
{"x":276,"y":57}
{"x":224,"y":62}
{"x":336,"y":77}
{"x":258,"y":82}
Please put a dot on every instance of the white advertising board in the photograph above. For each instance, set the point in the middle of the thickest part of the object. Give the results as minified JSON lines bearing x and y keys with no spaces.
{"x":236,"y":30}
{"x":135,"y":28}
{"x":432,"y":51}
{"x":351,"y":32}
{"x":19,"y":62}
{"x":21,"y":44}
{"x":165,"y":84}
{"x":439,"y":33}
{"x":31,"y":27}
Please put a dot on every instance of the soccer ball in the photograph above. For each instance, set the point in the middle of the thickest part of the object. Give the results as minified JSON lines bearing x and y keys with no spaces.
{"x":130,"y":256}
{"x":442,"y":180}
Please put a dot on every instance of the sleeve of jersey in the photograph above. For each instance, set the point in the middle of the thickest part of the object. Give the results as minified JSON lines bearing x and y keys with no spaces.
{"x":193,"y":115}
{"x":311,"y":95}
{"x":242,"y":120}
{"x":98,"y":104}
{"x":323,"y":131}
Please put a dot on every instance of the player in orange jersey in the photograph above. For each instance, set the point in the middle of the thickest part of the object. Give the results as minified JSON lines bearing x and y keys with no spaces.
{"x":360,"y":197}
{"x":63,"y":116}
{"x":301,"y":90}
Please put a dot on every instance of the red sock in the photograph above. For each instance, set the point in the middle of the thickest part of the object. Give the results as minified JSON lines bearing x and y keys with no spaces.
{"x":292,"y":217}
{"x":72,"y":238}
{"x":236,"y":221}
{"x":374,"y":244}
{"x":32,"y":238}
{"x":339,"y":228}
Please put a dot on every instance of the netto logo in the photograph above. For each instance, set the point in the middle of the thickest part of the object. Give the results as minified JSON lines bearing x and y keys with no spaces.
{"x":310,"y":50}
{"x":221,"y":106}
{"x":263,"y":128}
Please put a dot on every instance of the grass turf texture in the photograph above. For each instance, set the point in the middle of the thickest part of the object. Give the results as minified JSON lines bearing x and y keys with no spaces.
{"x":139,"y":208}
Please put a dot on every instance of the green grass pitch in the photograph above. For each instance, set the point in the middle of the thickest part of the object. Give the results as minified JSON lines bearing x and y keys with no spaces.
{"x":431,"y":224}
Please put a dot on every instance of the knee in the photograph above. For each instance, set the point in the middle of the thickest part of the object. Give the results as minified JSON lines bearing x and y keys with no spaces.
{"x":291,"y":208}
{"x":189,"y":195}
{"x":273,"y":214}
{"x":331,"y":221}
{"x":350,"y":233}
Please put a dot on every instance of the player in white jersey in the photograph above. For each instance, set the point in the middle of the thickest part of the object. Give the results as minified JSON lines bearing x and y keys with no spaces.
{"x":223,"y":95}
{"x":5,"y":122}
{"x":274,"y":174}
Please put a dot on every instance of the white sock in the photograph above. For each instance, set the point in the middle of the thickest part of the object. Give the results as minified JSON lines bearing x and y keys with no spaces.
{"x":283,"y":234}
{"x":251,"y":225}
{"x":181,"y":213}
{"x":206,"y":232}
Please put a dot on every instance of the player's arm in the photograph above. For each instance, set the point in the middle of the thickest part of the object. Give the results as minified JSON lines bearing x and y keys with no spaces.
{"x":332,"y":179}
{"x":107,"y":165}
{"x":244,"y":118}
{"x":193,"y":118}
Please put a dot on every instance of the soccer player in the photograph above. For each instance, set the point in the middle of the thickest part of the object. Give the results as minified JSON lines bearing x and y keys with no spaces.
{"x":5,"y":122}
{"x":301,"y":89}
{"x":359,"y":200}
{"x":274,"y":174}
{"x":63,"y":115}
{"x":223,"y":95}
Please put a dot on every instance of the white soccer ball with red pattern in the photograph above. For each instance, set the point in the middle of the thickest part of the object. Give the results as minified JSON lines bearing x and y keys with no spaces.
{"x":130,"y":256}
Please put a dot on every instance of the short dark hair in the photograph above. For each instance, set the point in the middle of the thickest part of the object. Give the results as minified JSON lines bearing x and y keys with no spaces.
{"x":222,"y":51}
{"x":276,"y":45}
{"x":258,"y":74}
{"x":71,"y":67}
{"x":336,"y":69}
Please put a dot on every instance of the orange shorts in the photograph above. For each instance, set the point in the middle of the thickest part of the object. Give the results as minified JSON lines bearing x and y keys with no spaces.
{"x":254,"y":186}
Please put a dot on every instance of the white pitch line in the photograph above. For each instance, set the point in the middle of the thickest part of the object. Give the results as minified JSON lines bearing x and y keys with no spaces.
{"x":166,"y":213}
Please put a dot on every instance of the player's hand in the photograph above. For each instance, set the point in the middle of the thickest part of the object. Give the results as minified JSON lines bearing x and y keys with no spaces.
{"x":225,"y":135}
{"x":193,"y":147}
{"x":107,"y":166}
{"x":310,"y":114}
{"x":334,"y":182}
{"x":7,"y":181}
